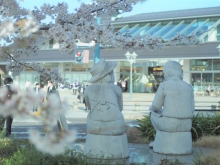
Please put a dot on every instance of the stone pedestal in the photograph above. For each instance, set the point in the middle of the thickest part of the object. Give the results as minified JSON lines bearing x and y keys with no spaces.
{"x":106,"y":146}
{"x":173,"y":142}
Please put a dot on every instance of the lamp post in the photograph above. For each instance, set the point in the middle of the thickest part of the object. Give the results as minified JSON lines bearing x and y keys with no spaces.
{"x":97,"y":45}
{"x":131,"y":58}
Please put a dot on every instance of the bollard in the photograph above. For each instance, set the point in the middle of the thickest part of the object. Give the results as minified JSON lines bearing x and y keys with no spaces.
{"x":75,"y":105}
{"x":137,"y":107}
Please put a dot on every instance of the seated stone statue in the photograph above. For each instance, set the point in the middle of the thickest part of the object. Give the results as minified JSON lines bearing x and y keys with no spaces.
{"x":105,"y":122}
{"x":171,"y":113}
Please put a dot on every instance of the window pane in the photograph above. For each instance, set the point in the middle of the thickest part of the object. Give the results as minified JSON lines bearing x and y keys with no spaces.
{"x":216,"y":83}
{"x":201,"y":64}
{"x":206,"y":80}
{"x":216,"y":64}
{"x":156,"y":29}
{"x":142,"y":32}
{"x":179,"y":29}
{"x":167,"y":29}
{"x":196,"y":81}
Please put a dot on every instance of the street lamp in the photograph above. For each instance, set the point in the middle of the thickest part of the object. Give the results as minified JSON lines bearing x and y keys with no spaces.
{"x":131,"y":58}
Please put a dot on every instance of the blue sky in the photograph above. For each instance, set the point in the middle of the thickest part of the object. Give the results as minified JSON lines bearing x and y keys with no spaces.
{"x":145,"y":7}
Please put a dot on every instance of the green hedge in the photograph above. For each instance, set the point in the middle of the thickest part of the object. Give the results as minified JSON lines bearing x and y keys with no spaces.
{"x":202,"y":124}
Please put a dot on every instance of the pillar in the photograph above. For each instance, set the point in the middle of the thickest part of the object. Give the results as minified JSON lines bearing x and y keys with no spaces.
{"x":117,"y":71}
{"x":186,"y":71}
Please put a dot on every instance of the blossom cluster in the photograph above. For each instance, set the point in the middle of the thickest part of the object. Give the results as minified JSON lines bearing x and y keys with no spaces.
{"x":80,"y":24}
{"x":21,"y":103}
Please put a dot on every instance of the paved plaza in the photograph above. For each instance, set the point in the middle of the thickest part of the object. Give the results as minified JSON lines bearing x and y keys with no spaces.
{"x":137,"y":106}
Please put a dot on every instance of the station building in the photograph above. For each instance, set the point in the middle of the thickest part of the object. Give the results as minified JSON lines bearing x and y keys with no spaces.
{"x":200,"y":62}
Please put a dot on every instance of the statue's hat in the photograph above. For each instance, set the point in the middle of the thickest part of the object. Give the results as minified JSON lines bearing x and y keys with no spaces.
{"x":101,"y":69}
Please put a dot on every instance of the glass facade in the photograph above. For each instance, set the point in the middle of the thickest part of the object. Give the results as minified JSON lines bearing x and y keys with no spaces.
{"x":168,"y":29}
{"x":205,"y":72}
{"x":69,"y":70}
{"x":146,"y":75}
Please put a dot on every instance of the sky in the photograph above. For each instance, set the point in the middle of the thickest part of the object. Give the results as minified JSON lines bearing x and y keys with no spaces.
{"x":145,"y":7}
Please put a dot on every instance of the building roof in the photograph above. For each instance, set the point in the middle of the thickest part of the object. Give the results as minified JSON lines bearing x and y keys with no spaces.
{"x":168,"y":24}
{"x":172,"y":15}
{"x":200,"y":51}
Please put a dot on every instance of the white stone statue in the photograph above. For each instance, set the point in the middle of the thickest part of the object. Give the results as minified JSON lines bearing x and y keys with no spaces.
{"x":105,"y":122}
{"x":171,"y":113}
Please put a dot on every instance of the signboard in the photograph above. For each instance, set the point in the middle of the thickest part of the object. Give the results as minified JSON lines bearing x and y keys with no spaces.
{"x":85,"y":56}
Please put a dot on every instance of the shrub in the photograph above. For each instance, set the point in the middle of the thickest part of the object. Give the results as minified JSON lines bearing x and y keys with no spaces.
{"x":26,"y":154}
{"x":202,"y":125}
{"x":205,"y":125}
{"x":146,"y":128}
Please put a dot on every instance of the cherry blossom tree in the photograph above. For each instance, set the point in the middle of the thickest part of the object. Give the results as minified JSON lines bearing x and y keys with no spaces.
{"x":19,"y":28}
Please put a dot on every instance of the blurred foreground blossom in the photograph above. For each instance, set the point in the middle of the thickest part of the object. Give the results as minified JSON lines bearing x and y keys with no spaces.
{"x":52,"y":143}
{"x":28,"y":26}
{"x":7,"y":28}
{"x":21,"y":105}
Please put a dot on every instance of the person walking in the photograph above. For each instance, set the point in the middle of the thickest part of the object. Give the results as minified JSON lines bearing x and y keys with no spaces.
{"x":123,"y":85}
{"x":81,"y":90}
{"x":8,"y":81}
{"x":27,"y":85}
{"x":208,"y":90}
{"x":36,"y":90}
{"x":50,"y":88}
{"x":75,"y":87}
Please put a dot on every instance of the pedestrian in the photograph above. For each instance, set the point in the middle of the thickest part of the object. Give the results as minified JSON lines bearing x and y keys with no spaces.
{"x":36,"y":90}
{"x":208,"y":89}
{"x":75,"y":87}
{"x":123,"y":85}
{"x":8,"y":81}
{"x":50,"y":88}
{"x":81,"y":90}
{"x":27,"y":85}
{"x":61,"y":85}
{"x":119,"y":83}
{"x":45,"y":91}
{"x":126,"y":86}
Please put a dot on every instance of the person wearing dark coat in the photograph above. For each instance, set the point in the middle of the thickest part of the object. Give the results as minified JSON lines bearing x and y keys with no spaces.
{"x":8,"y":81}
{"x":36,"y":90}
{"x":51,"y":88}
{"x":81,"y":90}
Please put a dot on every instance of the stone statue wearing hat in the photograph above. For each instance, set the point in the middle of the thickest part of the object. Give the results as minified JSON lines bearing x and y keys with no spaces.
{"x":105,"y":122}
{"x":171,"y":113}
